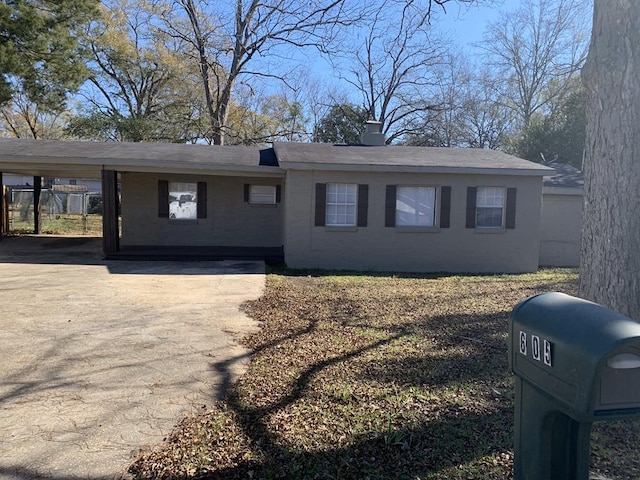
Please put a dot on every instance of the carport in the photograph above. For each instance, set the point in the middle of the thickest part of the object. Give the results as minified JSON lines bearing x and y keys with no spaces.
{"x":109,"y":161}
{"x":41,"y":159}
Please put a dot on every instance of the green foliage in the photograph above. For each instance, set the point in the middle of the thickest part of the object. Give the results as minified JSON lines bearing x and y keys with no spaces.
{"x":343,"y":124}
{"x":559,"y":135}
{"x":114,"y":126}
{"x":39,"y":50}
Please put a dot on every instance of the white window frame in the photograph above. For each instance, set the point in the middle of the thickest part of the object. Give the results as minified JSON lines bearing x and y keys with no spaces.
{"x":341,"y":205}
{"x":416,"y":210}
{"x":487,"y":198}
{"x":181,"y":211}
{"x":262,"y":194}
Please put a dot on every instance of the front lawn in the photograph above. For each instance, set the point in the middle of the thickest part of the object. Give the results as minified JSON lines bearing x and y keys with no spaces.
{"x":370,"y":377}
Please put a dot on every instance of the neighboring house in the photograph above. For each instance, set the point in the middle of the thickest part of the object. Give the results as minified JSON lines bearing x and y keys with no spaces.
{"x":561,"y":224}
{"x":88,"y":184}
{"x":325,"y":206}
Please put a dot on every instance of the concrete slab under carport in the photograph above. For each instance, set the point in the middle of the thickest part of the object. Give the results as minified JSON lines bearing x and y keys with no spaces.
{"x":101,"y":358}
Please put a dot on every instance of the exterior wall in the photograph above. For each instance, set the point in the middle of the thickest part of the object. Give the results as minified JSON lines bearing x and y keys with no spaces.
{"x":560,"y":229}
{"x":376,"y":247}
{"x":230,"y":221}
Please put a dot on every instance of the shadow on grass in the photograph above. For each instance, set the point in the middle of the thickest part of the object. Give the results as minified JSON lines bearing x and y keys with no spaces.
{"x":428,"y":450}
{"x":456,"y":435}
{"x":353,"y":382}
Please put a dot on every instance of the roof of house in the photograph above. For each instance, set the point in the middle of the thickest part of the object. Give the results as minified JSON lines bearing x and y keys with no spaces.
{"x":88,"y":159}
{"x":319,"y":156}
{"x":53,"y":157}
{"x":564,"y":176}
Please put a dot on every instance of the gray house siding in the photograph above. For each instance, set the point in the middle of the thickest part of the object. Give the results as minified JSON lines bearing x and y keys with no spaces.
{"x":379,"y":247}
{"x":230,"y":220}
{"x":560,"y":227}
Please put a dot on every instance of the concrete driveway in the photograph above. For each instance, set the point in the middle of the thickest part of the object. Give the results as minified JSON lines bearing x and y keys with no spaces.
{"x":99,"y":359}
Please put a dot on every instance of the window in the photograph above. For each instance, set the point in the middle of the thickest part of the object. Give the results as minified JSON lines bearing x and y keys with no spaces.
{"x":342,"y":200}
{"x":262,"y":194}
{"x":341,"y":205}
{"x":265,"y":194}
{"x":182,"y":200}
{"x":490,"y":207}
{"x":415,"y":206}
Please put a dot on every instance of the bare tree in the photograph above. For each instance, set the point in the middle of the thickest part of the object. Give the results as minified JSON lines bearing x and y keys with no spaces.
{"x":469,"y":110}
{"x":446,"y":127}
{"x":139,"y":89}
{"x":611,"y":230}
{"x":22,"y":118}
{"x":393,"y":67}
{"x":487,"y":120}
{"x":226,"y":39}
{"x":537,"y":48}
{"x":257,"y":118}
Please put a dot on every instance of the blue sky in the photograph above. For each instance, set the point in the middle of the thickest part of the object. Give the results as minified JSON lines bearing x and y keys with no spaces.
{"x":467,"y":22}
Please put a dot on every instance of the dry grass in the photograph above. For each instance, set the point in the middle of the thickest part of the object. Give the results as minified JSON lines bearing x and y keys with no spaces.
{"x":366,"y":377}
{"x":62,"y":224}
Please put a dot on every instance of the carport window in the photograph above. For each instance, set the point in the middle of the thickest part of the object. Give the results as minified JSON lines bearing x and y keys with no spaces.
{"x":182,"y":200}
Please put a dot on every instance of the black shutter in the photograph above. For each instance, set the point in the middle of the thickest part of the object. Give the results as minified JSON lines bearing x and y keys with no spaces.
{"x":321,"y":204}
{"x":246,"y":192}
{"x":363,"y":205}
{"x":202,"y":200}
{"x":471,"y":206}
{"x":163,"y":198}
{"x":445,"y":206}
{"x":390,"y":207}
{"x":278,"y":193}
{"x":510,"y":217}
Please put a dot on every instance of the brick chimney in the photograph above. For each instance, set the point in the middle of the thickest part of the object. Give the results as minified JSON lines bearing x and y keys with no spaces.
{"x":372,"y":135}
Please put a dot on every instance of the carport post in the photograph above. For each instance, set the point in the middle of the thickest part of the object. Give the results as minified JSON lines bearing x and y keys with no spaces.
{"x":37,"y":217}
{"x":110,"y":230}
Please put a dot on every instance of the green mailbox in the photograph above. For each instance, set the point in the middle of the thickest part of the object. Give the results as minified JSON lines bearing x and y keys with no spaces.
{"x":575,"y":362}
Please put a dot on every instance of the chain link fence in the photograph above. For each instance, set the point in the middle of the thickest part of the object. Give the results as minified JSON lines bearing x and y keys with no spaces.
{"x":64,"y":211}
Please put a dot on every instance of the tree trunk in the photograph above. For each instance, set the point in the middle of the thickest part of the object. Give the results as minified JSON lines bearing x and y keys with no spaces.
{"x":610,"y":255}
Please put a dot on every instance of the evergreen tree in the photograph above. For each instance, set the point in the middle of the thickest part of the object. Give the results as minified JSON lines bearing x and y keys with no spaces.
{"x":39,"y":50}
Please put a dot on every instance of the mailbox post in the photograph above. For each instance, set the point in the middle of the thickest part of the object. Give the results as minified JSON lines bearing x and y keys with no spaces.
{"x":575,"y":362}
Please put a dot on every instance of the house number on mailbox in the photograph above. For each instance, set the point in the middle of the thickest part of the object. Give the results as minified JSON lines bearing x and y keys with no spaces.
{"x":538,"y":352}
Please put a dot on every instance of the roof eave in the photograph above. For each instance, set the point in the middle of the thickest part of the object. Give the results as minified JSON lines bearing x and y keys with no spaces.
{"x":94,"y":167}
{"x":433,"y":169}
{"x":562,"y":190}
